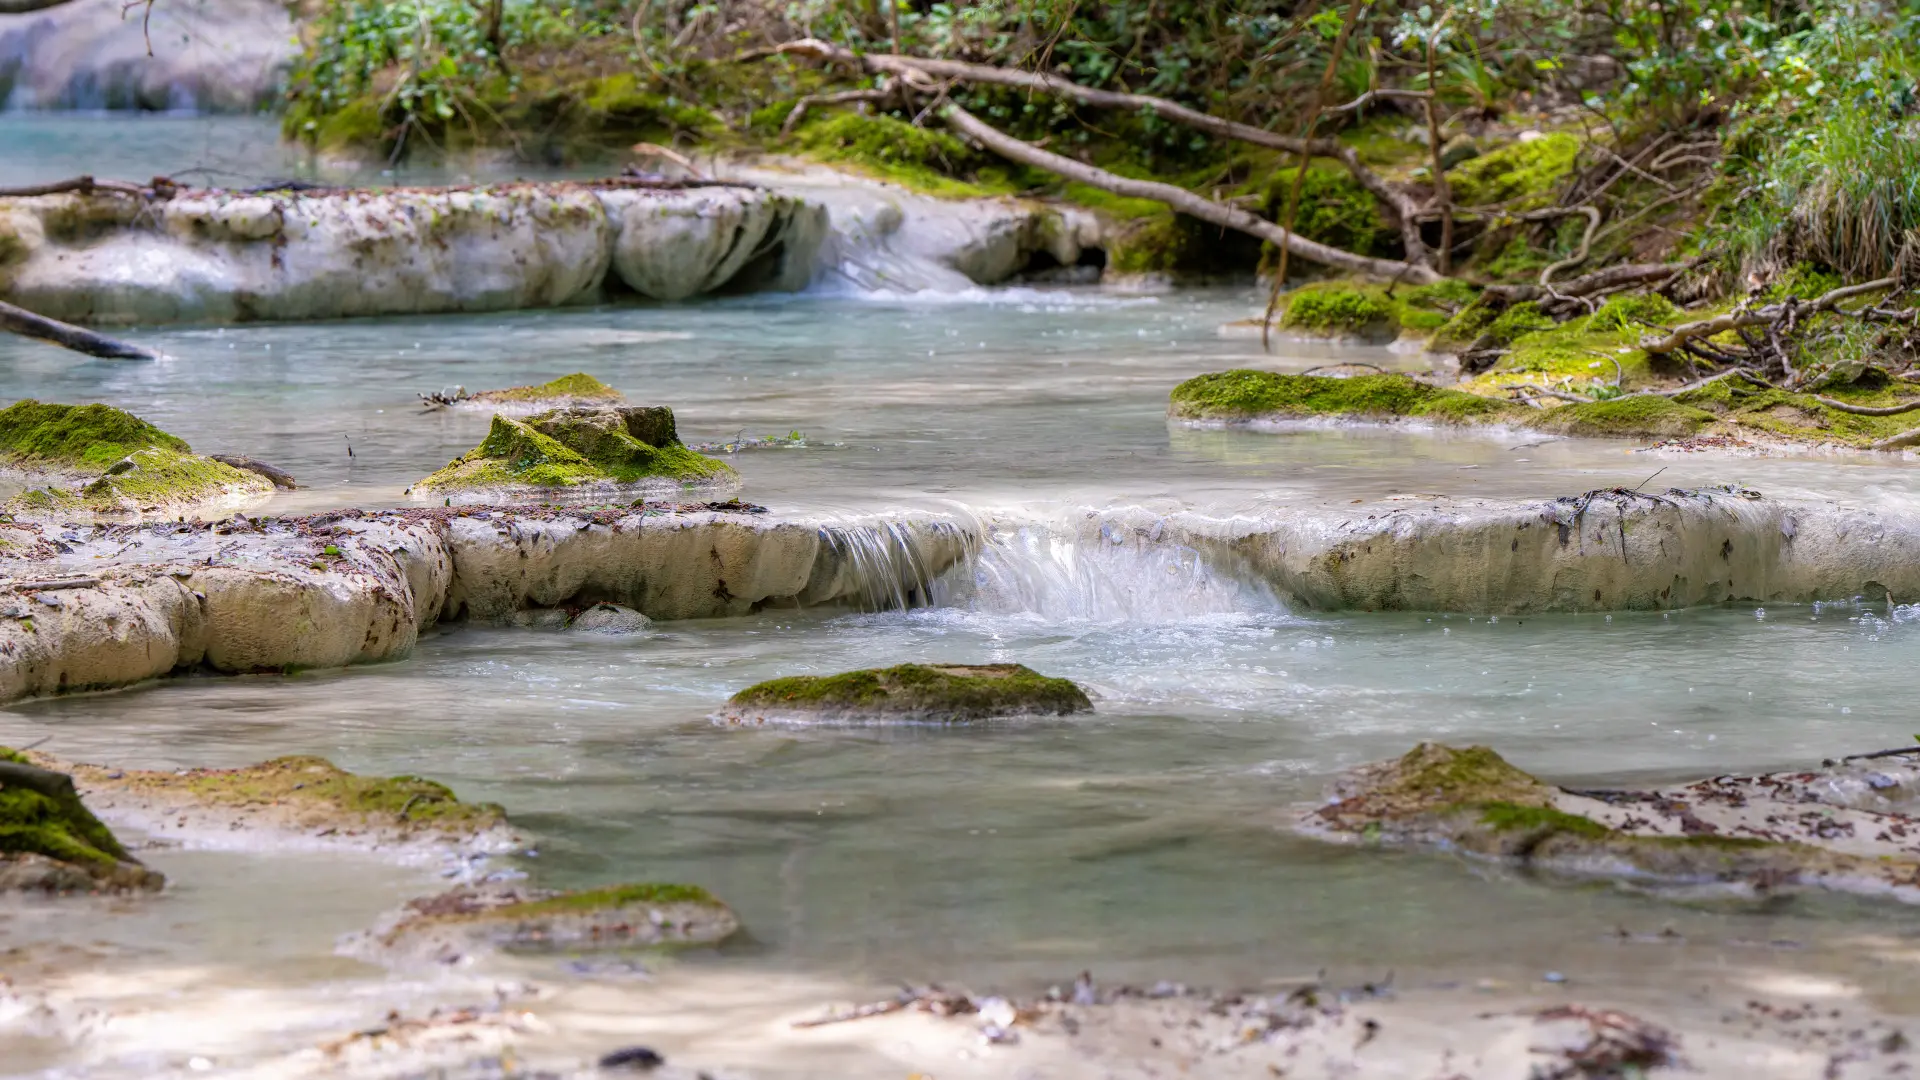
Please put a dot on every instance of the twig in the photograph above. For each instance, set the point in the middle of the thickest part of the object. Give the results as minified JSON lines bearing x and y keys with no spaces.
{"x":85,"y":185}
{"x":55,"y":586}
{"x":25,"y":323}
{"x":1866,"y":410}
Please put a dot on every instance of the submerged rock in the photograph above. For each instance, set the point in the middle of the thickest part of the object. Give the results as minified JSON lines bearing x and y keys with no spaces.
{"x":580,"y":450}
{"x":1843,"y":828}
{"x":923,"y":693}
{"x":293,"y":798}
{"x":51,"y":842}
{"x":609,"y":619}
{"x":578,"y":389}
{"x":96,"y":459}
{"x":455,"y":924}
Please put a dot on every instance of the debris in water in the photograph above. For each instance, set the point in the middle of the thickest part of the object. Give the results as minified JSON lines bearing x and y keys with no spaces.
{"x":636,"y":1058}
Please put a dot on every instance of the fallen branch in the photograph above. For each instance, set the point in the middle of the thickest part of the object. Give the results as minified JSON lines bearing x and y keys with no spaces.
{"x":85,"y":185}
{"x":23,"y":7}
{"x":1867,"y":410}
{"x":21,"y":321}
{"x":1766,"y":316}
{"x":920,"y":72}
{"x":55,"y":586}
{"x":1613,"y":277}
{"x":1184,"y":201}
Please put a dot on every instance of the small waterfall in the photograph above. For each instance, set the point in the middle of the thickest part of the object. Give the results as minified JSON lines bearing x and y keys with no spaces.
{"x":1098,"y":576}
{"x":890,"y":564}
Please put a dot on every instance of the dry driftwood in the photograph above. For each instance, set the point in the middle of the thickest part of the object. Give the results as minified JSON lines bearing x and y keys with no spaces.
{"x":19,"y":320}
{"x":1182,"y":200}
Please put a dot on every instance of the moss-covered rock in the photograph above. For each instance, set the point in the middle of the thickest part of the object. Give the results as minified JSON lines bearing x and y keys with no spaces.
{"x":297,"y":794}
{"x":1520,"y":174}
{"x":1755,"y":835}
{"x":1334,"y":209}
{"x":98,"y":459}
{"x":447,"y":927}
{"x":925,"y":159}
{"x":587,"y":449}
{"x":576,"y":389}
{"x":1753,"y":407}
{"x":926,"y":693}
{"x":1252,"y":395}
{"x":50,"y":841}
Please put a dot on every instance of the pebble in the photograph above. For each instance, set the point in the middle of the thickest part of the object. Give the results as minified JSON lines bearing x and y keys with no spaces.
{"x":637,"y":1058}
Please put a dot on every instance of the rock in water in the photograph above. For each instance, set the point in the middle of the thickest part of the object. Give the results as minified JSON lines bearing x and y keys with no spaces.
{"x":578,"y":389}
{"x":589,"y":451}
{"x":50,"y":841}
{"x":911,"y":693}
{"x":636,"y":1058}
{"x":610,"y":619}
{"x":1844,"y":829}
{"x":98,"y":459}
{"x":454,"y":924}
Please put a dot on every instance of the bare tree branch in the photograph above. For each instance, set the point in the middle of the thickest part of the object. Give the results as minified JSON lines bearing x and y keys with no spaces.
{"x":918,"y":72}
{"x":1182,"y":200}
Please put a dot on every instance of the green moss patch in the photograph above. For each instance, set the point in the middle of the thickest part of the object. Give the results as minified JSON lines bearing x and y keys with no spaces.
{"x":1522,"y":174}
{"x":1512,"y":817}
{"x":939,"y":692}
{"x":611,"y":897}
{"x":41,"y":815}
{"x":1334,"y":209}
{"x":1802,"y":417}
{"x":574,"y":446}
{"x":1629,"y":417}
{"x":1247,"y":395}
{"x":928,"y":160}
{"x":578,"y":387}
{"x":89,"y":438}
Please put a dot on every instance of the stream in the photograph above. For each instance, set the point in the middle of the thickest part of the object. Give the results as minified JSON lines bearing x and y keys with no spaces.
{"x":1146,"y":842}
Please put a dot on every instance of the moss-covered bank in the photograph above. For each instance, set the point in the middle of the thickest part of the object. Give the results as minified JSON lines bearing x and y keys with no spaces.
{"x":931,"y":693}
{"x":579,"y":448}
{"x":1243,"y":395}
{"x":1732,"y":405}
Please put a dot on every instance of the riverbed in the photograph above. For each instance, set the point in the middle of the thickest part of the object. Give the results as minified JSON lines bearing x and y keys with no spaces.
{"x":1147,"y":842}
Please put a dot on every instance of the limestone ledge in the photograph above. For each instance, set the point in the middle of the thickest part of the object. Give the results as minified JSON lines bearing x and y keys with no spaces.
{"x":225,"y":256}
{"x":218,"y":256}
{"x":1602,"y":551}
{"x":355,"y":587}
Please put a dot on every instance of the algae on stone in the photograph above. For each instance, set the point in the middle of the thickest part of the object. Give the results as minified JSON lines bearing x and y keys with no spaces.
{"x":943,"y":693}
{"x":309,"y":789}
{"x":41,"y":815}
{"x":512,"y":917}
{"x":574,"y":447}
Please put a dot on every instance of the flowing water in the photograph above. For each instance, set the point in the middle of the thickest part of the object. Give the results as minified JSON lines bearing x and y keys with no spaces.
{"x":1148,"y":841}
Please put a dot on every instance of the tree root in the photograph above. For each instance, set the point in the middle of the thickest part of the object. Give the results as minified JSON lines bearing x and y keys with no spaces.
{"x":1182,"y":200}
{"x":1866,"y":410}
{"x":1765,"y":316}
{"x":21,"y":321}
